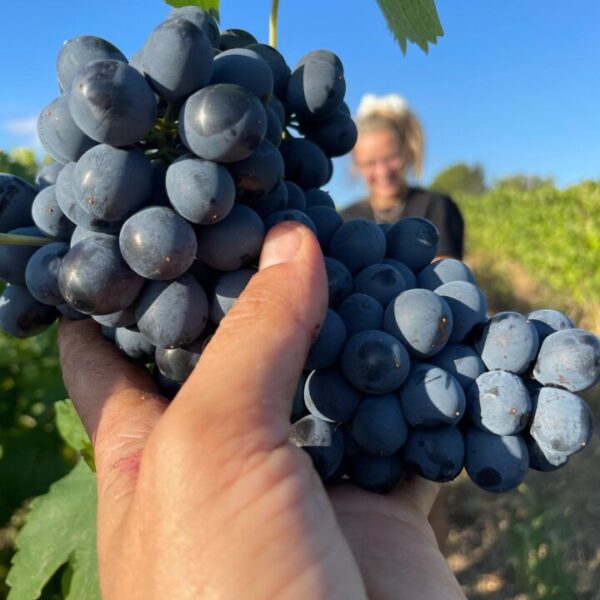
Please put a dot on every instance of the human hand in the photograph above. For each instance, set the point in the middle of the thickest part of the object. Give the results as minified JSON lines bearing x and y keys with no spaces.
{"x":206,"y":498}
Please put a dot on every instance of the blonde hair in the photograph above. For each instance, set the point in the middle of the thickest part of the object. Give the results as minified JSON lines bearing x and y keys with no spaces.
{"x":392,"y":112}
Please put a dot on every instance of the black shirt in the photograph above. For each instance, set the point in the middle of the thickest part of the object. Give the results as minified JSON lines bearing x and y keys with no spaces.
{"x":438,"y":208}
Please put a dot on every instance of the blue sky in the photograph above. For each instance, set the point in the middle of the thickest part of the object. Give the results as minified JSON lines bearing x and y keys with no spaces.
{"x":513,"y":85}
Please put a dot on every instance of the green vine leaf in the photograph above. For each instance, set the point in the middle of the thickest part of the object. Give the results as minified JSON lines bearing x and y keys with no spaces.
{"x":413,"y":21}
{"x":70,"y":426}
{"x":211,"y":6}
{"x":71,"y":430}
{"x":59,"y":528}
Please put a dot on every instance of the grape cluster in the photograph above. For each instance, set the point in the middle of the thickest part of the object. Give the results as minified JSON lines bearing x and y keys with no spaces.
{"x":169,"y":170}
{"x":410,"y":371}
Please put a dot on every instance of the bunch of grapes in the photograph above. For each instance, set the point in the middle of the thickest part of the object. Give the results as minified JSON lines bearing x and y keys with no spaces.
{"x":411,"y":372}
{"x":169,"y":170}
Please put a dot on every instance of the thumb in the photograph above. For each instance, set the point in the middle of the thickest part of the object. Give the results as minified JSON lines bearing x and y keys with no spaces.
{"x":244,"y":383}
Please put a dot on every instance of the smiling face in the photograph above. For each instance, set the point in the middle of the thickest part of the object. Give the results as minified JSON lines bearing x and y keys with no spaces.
{"x":381,"y":160}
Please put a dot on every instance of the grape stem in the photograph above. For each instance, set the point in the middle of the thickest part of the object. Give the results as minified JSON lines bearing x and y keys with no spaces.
{"x":171,"y":114}
{"x":23,"y":240}
{"x":273,"y":24}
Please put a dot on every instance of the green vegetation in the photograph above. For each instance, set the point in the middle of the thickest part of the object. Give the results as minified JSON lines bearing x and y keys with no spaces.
{"x":537,"y":534}
{"x":554,"y":235}
{"x":460,"y":179}
{"x":21,"y":162}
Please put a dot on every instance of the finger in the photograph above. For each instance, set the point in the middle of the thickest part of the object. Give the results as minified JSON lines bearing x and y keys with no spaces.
{"x":118,"y":404}
{"x":245,"y":380}
{"x":94,"y":371}
{"x":421,"y":493}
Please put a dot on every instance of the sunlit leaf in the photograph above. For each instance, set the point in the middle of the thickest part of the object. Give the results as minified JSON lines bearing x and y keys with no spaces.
{"x":70,"y":426}
{"x":60,"y":528}
{"x":412,"y":21}
{"x":211,"y":6}
{"x":71,"y":430}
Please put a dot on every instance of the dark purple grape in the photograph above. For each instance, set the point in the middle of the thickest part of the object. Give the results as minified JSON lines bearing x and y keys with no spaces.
{"x":157,"y":243}
{"x":78,"y":52}
{"x":435,"y":455}
{"x":431,"y":398}
{"x":246,"y":68}
{"x":222,"y":122}
{"x":379,"y":426}
{"x":421,"y":319}
{"x":177,"y":59}
{"x":329,"y":396}
{"x":21,"y":315}
{"x":112,"y":103}
{"x":495,"y":463}
{"x":16,"y":198}
{"x":94,"y":278}
{"x":569,"y":359}
{"x":172,"y":314}
{"x":499,"y":402}
{"x":375,"y":362}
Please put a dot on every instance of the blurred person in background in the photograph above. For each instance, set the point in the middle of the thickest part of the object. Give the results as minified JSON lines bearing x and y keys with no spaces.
{"x":389,"y":147}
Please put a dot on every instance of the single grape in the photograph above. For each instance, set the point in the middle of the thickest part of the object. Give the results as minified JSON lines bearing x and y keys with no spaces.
{"x":435,"y":455}
{"x":94,"y":278}
{"x":41,"y":274}
{"x":157,"y":243}
{"x":507,"y":341}
{"x":329,"y":396}
{"x":360,"y":312}
{"x":495,"y":463}
{"x":375,"y":362}
{"x":177,"y":59}
{"x":172,"y":314}
{"x":112,"y":183}
{"x":421,"y":319}
{"x":222,"y":122}
{"x":562,"y":422}
{"x":569,"y":359}
{"x":246,"y":68}
{"x":499,"y":402}
{"x":413,"y":241}
{"x":78,"y":52}
{"x":379,"y":426}
{"x":233,"y":242}
{"x":16,"y":198}
{"x":443,"y":271}
{"x":200,"y":190}
{"x":112,"y":103}
{"x":21,"y":315}
{"x":431,"y":398}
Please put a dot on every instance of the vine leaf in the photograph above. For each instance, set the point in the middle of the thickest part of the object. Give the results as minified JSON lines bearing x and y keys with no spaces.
{"x":211,"y":6}
{"x":70,"y":426}
{"x":59,"y":529}
{"x":412,"y":21}
{"x":71,"y":430}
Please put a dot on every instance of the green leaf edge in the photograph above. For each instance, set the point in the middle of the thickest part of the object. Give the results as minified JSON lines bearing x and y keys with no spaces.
{"x":25,"y":581}
{"x":412,"y":20}
{"x":71,"y":430}
{"x":211,"y":6}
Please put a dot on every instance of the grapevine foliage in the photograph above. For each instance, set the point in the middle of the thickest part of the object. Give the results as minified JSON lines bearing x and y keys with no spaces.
{"x":211,"y":6}
{"x":60,"y":528}
{"x":412,"y":21}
